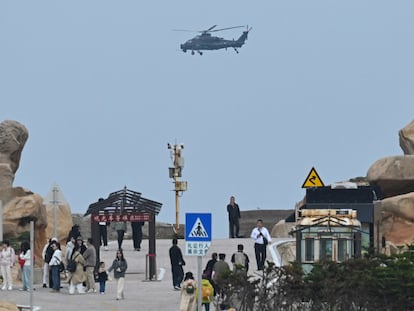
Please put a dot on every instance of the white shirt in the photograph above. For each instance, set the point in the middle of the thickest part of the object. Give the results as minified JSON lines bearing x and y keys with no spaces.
{"x":258,"y":238}
{"x":56,"y":258}
{"x":26,"y":257}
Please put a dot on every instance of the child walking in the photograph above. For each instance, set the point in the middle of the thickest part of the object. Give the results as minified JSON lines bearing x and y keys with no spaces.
{"x":119,"y":266}
{"x":102,"y":277}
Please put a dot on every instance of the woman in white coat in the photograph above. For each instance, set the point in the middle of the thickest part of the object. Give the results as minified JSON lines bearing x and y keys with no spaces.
{"x":7,"y":260}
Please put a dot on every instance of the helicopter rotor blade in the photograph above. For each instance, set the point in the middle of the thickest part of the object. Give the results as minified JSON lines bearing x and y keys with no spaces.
{"x":185,"y":30}
{"x":227,"y":28}
{"x":211,"y":28}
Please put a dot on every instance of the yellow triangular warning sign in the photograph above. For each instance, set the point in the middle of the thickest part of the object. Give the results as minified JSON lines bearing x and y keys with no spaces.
{"x":313,"y":180}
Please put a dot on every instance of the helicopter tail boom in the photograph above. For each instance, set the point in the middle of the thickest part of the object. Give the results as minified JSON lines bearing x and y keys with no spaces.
{"x":240,"y":41}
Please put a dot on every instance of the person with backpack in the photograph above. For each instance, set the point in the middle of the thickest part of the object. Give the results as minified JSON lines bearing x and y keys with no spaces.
{"x":47,"y":256}
{"x":207,"y":292}
{"x":188,"y":300}
{"x":240,"y":261}
{"x":78,"y":276}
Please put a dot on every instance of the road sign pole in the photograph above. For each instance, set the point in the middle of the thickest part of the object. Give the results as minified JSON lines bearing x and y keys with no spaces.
{"x":31,"y":262}
{"x":199,"y":277}
{"x":1,"y":220}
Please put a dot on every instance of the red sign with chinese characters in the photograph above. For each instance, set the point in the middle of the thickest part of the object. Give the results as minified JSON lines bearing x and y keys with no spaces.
{"x":116,"y":217}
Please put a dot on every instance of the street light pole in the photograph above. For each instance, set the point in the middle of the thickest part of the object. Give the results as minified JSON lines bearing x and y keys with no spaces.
{"x":175,"y":174}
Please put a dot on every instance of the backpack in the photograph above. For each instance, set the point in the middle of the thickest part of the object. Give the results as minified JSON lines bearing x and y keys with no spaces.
{"x":206,"y":293}
{"x":190,"y":289}
{"x":239,"y":261}
{"x":71,"y":266}
{"x":48,"y":254}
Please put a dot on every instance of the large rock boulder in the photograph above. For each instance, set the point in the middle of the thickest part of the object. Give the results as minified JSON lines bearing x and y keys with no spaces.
{"x":64,"y":221}
{"x":397,"y":218}
{"x":394,"y":175}
{"x":8,"y":306}
{"x":13,"y":137}
{"x":281,"y":229}
{"x":20,"y":206}
{"x":407,"y":138}
{"x":249,"y":219}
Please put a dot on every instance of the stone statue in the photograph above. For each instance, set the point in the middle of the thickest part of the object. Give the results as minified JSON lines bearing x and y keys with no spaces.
{"x":13,"y":137}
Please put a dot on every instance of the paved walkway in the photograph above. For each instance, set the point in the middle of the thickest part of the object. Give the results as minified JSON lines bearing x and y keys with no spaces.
{"x":139,"y":294}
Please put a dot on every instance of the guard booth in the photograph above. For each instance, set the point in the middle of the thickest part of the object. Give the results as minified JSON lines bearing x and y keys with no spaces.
{"x":347,"y":196}
{"x":327,"y":234}
{"x":129,"y":206}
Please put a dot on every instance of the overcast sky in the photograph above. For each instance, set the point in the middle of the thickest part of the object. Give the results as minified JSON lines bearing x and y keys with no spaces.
{"x":102,"y":88}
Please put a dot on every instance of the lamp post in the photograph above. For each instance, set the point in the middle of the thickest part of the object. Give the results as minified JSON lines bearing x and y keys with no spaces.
{"x":175,"y":173}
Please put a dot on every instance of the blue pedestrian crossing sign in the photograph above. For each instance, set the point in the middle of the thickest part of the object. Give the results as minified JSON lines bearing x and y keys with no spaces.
{"x":198,"y":227}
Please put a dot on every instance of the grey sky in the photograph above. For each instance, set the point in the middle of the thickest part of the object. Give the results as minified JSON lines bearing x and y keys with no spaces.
{"x":102,"y":87}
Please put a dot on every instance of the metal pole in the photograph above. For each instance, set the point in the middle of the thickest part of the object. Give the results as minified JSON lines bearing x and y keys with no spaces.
{"x":31,"y":262}
{"x":177,"y":210}
{"x":199,"y":277}
{"x":177,"y":202}
{"x":378,"y":238}
{"x":55,"y":213}
{"x":1,"y":220}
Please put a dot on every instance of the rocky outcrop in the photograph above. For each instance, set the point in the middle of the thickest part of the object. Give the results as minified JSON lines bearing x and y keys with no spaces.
{"x":407,"y":138}
{"x":249,"y":219}
{"x":20,"y":205}
{"x":13,"y":137}
{"x":64,"y":222}
{"x":281,"y":229}
{"x":8,"y":306}
{"x":397,"y":218}
{"x":394,"y":175}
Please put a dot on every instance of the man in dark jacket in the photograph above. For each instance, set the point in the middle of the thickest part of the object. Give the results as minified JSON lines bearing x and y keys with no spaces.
{"x":234,"y":216}
{"x":137,"y":234}
{"x":177,"y":263}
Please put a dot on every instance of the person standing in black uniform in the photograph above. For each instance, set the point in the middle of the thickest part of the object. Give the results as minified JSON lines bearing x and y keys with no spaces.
{"x":137,"y":234}
{"x":177,"y":263}
{"x":234,"y":216}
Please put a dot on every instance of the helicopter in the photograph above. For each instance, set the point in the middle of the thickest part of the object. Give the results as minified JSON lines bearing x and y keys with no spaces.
{"x":205,"y":41}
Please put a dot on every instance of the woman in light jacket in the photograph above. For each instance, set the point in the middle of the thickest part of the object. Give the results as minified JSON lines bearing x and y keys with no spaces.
{"x":7,"y":260}
{"x":188,"y":297}
{"x":119,"y":265}
{"x":78,"y":277}
{"x":26,"y":255}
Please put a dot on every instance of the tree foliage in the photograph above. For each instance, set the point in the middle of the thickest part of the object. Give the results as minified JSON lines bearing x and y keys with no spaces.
{"x":372,"y":283}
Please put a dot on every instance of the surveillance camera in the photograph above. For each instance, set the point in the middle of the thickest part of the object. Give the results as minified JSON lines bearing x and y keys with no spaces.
{"x":169,"y":146}
{"x":182,"y":146}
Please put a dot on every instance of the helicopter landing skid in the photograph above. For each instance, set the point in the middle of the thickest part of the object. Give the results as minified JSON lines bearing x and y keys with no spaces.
{"x":199,"y":52}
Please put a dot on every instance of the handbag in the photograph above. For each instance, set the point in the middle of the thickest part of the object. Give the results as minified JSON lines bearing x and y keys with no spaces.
{"x":61,"y":267}
{"x":265,"y":241}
